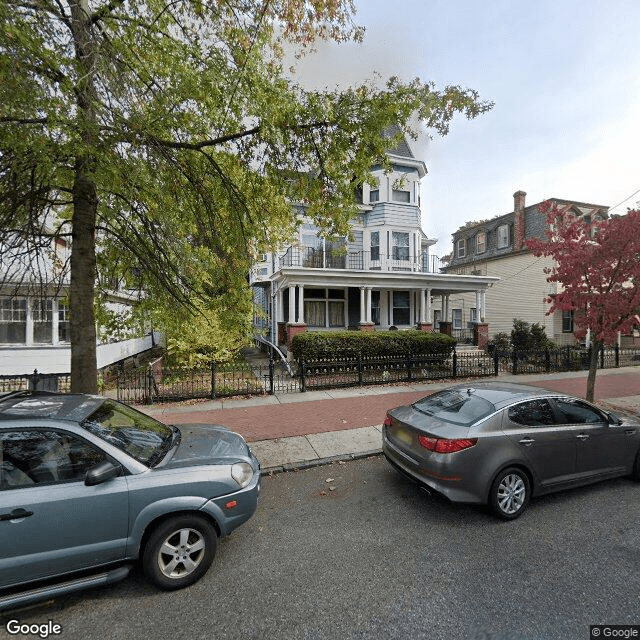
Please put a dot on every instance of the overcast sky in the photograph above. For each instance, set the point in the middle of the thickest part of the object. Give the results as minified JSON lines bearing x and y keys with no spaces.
{"x":565,"y":79}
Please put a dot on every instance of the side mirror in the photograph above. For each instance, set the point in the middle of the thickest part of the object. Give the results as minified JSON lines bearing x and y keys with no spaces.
{"x":613,"y":418}
{"x":100,"y":473}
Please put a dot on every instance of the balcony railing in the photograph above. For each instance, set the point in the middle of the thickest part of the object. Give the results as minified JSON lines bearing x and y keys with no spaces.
{"x":318,"y":258}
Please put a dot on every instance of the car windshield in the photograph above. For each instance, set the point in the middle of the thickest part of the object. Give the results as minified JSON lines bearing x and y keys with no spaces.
{"x":131,"y":431}
{"x":458,"y":406}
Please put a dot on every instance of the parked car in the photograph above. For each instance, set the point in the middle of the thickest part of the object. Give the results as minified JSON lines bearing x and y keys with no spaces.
{"x":88,"y":485}
{"x":499,"y":444}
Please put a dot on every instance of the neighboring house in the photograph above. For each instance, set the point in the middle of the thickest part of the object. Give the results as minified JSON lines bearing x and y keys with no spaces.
{"x":496,"y":247}
{"x":382,"y":278}
{"x":34,"y":317}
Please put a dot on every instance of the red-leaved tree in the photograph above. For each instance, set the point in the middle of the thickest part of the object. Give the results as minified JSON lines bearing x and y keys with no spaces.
{"x":597,"y":268}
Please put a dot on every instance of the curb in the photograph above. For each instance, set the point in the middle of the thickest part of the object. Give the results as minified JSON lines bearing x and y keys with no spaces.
{"x":319,"y":462}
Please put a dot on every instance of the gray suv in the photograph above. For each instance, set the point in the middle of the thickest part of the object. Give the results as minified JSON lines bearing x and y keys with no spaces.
{"x":88,"y":485}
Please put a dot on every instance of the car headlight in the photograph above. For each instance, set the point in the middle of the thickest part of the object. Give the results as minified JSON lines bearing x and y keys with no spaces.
{"x":242,"y":472}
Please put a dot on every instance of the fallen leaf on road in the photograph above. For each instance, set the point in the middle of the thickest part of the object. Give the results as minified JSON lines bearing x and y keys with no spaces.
{"x":329,"y":480}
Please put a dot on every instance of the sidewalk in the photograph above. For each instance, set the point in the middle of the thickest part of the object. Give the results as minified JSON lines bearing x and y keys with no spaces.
{"x":299,"y":430}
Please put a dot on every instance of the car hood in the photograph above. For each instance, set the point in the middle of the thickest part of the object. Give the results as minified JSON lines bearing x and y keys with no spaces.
{"x":206,"y":444}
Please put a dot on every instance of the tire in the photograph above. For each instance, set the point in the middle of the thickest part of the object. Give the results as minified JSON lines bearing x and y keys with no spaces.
{"x":179,"y":552}
{"x":509,"y":495}
{"x":635,"y":474}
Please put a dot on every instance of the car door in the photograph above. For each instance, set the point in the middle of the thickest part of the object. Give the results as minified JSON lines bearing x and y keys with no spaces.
{"x":602,"y":448}
{"x":549,"y":448}
{"x":51,"y":523}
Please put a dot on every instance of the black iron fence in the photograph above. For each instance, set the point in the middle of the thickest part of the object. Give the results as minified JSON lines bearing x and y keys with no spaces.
{"x":156,"y":384}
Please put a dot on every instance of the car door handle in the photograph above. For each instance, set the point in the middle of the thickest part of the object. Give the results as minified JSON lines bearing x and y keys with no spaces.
{"x":16,"y":514}
{"x":629,"y":432}
{"x":582,"y":436}
{"x":527,"y":442}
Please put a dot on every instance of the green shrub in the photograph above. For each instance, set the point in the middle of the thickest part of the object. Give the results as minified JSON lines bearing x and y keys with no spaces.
{"x":315,"y":345}
{"x":526,"y":337}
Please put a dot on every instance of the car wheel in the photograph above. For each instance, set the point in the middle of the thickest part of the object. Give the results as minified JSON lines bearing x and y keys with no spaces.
{"x":635,"y":474}
{"x":179,"y":551}
{"x":509,"y":493}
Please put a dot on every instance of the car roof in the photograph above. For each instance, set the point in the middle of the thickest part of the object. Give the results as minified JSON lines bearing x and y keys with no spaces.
{"x":42,"y":404}
{"x":501,"y":394}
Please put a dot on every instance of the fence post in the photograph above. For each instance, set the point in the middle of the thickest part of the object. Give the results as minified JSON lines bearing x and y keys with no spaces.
{"x":496,"y":363}
{"x":360,"y":366}
{"x":213,"y":379}
{"x":514,"y":360}
{"x":150,"y":382}
{"x":271,"y":372}
{"x":303,"y":385}
{"x":602,"y":357}
{"x":617,"y":352}
{"x":34,"y":378}
{"x":454,"y":373}
{"x":547,"y":360}
{"x":409,"y":377}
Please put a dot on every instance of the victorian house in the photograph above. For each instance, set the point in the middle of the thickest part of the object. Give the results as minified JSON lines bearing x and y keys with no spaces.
{"x":497,"y":248}
{"x":383,"y":277}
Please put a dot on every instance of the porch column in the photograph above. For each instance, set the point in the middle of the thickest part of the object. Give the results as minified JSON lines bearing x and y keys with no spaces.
{"x":280,"y":309}
{"x":429,"y":317}
{"x":483,"y":303}
{"x":363,"y":311}
{"x":368,"y":305}
{"x":423,"y":316}
{"x":479,"y":314}
{"x":292,"y":304}
{"x":300,"y":304}
{"x":445,"y":323}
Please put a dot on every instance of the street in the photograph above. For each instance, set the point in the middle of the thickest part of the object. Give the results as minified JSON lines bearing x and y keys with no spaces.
{"x":354,"y":550}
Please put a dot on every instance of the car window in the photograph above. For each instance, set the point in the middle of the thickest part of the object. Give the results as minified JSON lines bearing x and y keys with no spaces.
{"x":576,"y":412}
{"x":532,"y":413}
{"x":133,"y":432}
{"x":458,"y":406}
{"x":33,"y":457}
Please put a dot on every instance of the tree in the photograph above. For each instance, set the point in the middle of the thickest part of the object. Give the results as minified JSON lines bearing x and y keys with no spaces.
{"x":597,"y":265}
{"x":166,"y":140}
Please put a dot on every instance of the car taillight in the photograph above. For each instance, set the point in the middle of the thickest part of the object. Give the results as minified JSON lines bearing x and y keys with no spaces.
{"x":446,"y":445}
{"x":387,"y":421}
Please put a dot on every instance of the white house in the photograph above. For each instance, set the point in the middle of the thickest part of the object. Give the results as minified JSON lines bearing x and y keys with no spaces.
{"x":384,"y":277}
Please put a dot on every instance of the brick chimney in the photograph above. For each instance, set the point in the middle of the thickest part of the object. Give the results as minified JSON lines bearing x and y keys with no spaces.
{"x":518,"y":220}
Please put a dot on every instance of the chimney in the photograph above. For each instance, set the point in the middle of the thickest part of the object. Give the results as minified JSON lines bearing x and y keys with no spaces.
{"x":518,"y":220}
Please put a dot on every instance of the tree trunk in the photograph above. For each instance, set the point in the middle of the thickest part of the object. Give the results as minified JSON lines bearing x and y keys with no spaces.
{"x":84,"y":373}
{"x":594,"y":350}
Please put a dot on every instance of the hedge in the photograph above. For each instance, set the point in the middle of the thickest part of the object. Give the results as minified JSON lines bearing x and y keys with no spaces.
{"x":316,"y":345}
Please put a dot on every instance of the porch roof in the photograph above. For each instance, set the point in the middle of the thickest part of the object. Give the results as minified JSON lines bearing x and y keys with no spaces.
{"x":439,"y":283}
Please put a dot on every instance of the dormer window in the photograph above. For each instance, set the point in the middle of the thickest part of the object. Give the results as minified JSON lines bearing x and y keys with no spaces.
{"x":481,"y":242}
{"x":374,"y":195}
{"x":399,"y":195}
{"x":462,"y":248}
{"x":503,"y":236}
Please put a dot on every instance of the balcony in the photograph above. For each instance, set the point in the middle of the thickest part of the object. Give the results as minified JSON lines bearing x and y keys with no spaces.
{"x":319,"y":258}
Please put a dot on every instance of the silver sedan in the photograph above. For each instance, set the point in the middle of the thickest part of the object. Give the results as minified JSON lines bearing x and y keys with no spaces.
{"x":500,"y":443}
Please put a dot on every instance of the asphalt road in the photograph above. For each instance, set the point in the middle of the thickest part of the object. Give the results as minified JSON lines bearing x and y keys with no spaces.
{"x":367,"y":555}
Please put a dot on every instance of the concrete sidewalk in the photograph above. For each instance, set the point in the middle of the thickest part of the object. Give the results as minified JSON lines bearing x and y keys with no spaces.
{"x":299,"y":430}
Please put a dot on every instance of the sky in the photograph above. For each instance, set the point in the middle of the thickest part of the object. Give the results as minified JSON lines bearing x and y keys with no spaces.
{"x":565,"y":79}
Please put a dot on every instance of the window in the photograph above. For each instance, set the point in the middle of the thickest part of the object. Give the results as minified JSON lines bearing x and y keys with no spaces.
{"x":462,"y":248}
{"x":64,"y":333}
{"x":573,"y":412}
{"x":481,"y":242}
{"x":374,"y":195}
{"x":567,"y":322}
{"x":42,"y":311}
{"x":401,"y":307}
{"x":400,"y":249}
{"x":456,"y":407}
{"x":399,"y":195}
{"x":533,"y":413}
{"x":324,"y":307}
{"x":503,"y":236}
{"x":375,"y":245}
{"x":13,"y":320}
{"x":29,"y":458}
{"x":457,"y":318}
{"x":473,"y":315}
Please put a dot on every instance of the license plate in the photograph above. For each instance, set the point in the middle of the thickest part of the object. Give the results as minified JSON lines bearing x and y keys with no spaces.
{"x":404,"y":435}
